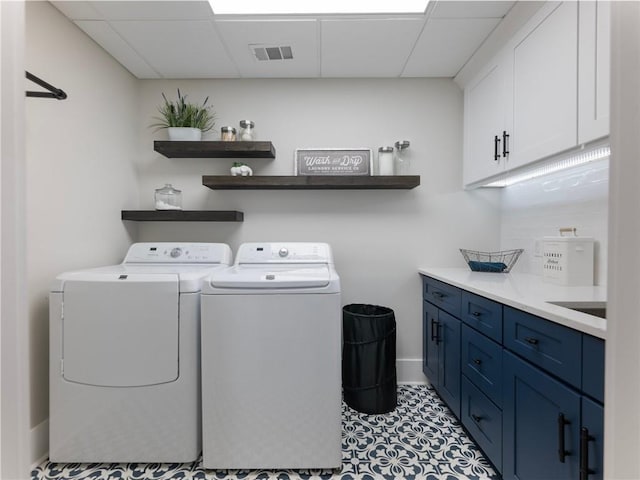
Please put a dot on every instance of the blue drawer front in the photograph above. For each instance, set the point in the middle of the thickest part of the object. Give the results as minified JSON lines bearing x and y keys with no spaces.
{"x":484,"y":422}
{"x":555,"y":348}
{"x":482,"y":363}
{"x":482,"y":314}
{"x":593,"y":367}
{"x":445,"y":297}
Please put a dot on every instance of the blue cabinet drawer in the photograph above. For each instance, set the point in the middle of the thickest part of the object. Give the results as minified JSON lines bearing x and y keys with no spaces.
{"x":445,"y":297}
{"x":482,"y":314}
{"x":482,"y":363}
{"x":552,"y":347}
{"x":593,"y":367}
{"x":483,"y":420}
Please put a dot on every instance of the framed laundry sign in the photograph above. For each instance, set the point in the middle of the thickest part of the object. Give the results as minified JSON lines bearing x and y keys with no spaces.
{"x":333,"y":161}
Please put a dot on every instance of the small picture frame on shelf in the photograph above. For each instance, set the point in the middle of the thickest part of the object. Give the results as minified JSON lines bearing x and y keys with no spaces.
{"x":333,"y":161}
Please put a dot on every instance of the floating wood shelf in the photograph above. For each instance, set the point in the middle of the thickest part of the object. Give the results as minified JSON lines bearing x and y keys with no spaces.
{"x":206,"y":149}
{"x":324,"y":182}
{"x":183,"y":215}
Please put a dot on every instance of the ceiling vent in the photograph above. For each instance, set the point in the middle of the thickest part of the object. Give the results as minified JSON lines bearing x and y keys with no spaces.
{"x":265,"y":53}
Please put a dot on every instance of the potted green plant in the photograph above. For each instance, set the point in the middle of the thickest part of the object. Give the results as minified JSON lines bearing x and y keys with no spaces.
{"x":184,"y":120}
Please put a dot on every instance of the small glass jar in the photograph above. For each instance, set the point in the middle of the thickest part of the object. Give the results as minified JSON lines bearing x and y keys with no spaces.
{"x":168,"y":198}
{"x":402,"y":163}
{"x":228,"y":134}
{"x":385,"y":161}
{"x":247,"y":132}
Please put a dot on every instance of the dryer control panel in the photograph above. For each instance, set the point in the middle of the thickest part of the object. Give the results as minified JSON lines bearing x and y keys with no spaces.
{"x":284,"y":252}
{"x":170,"y":252}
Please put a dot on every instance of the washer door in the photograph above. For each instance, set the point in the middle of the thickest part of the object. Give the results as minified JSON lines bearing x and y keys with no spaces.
{"x":121,"y":330}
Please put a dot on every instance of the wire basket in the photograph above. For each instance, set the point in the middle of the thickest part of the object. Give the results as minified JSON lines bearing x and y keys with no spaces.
{"x":497,"y":262}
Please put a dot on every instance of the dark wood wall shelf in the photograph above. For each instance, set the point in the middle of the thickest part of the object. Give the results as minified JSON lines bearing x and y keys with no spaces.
{"x":207,"y":149}
{"x":183,"y":215}
{"x":324,"y":182}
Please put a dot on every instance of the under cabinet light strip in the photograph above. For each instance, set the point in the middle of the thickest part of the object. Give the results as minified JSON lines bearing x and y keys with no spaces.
{"x":547,"y":168}
{"x":306,"y":7}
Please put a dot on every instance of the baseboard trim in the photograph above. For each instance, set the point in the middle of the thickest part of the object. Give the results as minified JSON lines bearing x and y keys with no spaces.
{"x":39,"y":443}
{"x":409,"y":371}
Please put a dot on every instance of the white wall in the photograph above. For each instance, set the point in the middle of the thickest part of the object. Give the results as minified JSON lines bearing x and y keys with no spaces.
{"x":80,"y":170}
{"x":537,"y":208}
{"x":622,"y":387}
{"x":379,"y":238}
{"x":14,"y":411}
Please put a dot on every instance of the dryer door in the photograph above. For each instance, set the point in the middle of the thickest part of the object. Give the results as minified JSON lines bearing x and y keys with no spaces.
{"x":120,"y":330}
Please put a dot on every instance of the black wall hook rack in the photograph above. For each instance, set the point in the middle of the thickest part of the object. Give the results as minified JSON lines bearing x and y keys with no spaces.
{"x":53,"y":92}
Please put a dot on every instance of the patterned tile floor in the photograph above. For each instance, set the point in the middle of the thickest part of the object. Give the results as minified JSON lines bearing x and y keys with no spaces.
{"x":419,"y":440}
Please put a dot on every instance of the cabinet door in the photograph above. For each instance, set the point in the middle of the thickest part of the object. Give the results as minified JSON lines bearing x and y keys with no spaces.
{"x":533,"y":434}
{"x":593,"y":70}
{"x":593,"y":428}
{"x":485,"y":111}
{"x":545,"y":69}
{"x":449,"y":361}
{"x":430,"y":343}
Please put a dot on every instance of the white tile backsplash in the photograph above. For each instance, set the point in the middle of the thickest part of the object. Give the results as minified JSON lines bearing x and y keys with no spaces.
{"x":537,"y":208}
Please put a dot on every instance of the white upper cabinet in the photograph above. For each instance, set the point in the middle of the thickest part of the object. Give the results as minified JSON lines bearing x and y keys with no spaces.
{"x":594,"y":32}
{"x":545,"y":85}
{"x":487,"y":111}
{"x":546,"y":91}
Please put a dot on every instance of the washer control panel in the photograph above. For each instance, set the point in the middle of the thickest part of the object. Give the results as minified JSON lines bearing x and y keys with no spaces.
{"x":167,"y":252}
{"x":284,"y":252}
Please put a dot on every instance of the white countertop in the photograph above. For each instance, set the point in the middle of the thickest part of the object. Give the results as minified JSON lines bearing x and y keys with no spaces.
{"x":529,"y":293}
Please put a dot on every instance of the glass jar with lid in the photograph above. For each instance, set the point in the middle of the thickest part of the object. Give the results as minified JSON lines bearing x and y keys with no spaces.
{"x":385,"y":161}
{"x":228,"y":134}
{"x":402,"y":163}
{"x":168,"y":198}
{"x":247,"y":132}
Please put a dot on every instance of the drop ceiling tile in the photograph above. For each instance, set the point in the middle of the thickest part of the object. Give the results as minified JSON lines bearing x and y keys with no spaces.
{"x":178,"y":49}
{"x":446,"y":45}
{"x":102,"y":33}
{"x":154,"y":10}
{"x":301,"y":35}
{"x":367,"y":47}
{"x":470,"y":9}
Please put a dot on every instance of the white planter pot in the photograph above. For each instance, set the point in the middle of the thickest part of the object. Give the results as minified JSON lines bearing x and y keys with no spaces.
{"x":181,"y":134}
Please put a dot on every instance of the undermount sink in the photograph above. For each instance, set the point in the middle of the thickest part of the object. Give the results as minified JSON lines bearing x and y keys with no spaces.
{"x":597,"y":309}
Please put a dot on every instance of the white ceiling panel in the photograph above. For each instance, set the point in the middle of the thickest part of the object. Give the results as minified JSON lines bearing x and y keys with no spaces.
{"x":107,"y":38}
{"x":367,"y":48}
{"x":445,"y":46}
{"x":76,"y":10}
{"x":301,"y":35}
{"x":178,"y":49}
{"x":470,"y":9}
{"x":147,"y":10}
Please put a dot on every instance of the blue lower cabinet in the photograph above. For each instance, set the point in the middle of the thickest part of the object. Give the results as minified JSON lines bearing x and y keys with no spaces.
{"x":591,"y":440}
{"x":541,"y":424}
{"x":441,"y":354}
{"x":430,"y":328}
{"x":483,"y":420}
{"x":449,"y":365}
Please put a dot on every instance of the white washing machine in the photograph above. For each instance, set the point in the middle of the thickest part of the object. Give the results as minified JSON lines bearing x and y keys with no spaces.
{"x":125,"y":356}
{"x":271,"y":365}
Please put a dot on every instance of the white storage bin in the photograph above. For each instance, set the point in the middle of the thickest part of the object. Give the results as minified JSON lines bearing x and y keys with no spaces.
{"x":568,"y":260}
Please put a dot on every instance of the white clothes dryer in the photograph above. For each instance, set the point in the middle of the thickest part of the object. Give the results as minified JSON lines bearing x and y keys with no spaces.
{"x":271,"y":365}
{"x":125,"y":356}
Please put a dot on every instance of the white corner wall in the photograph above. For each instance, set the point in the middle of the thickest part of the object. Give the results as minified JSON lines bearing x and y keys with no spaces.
{"x":379,"y":238}
{"x":80,"y":172}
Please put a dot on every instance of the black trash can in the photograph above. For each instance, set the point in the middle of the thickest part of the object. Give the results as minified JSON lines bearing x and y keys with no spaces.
{"x":369,"y":358}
